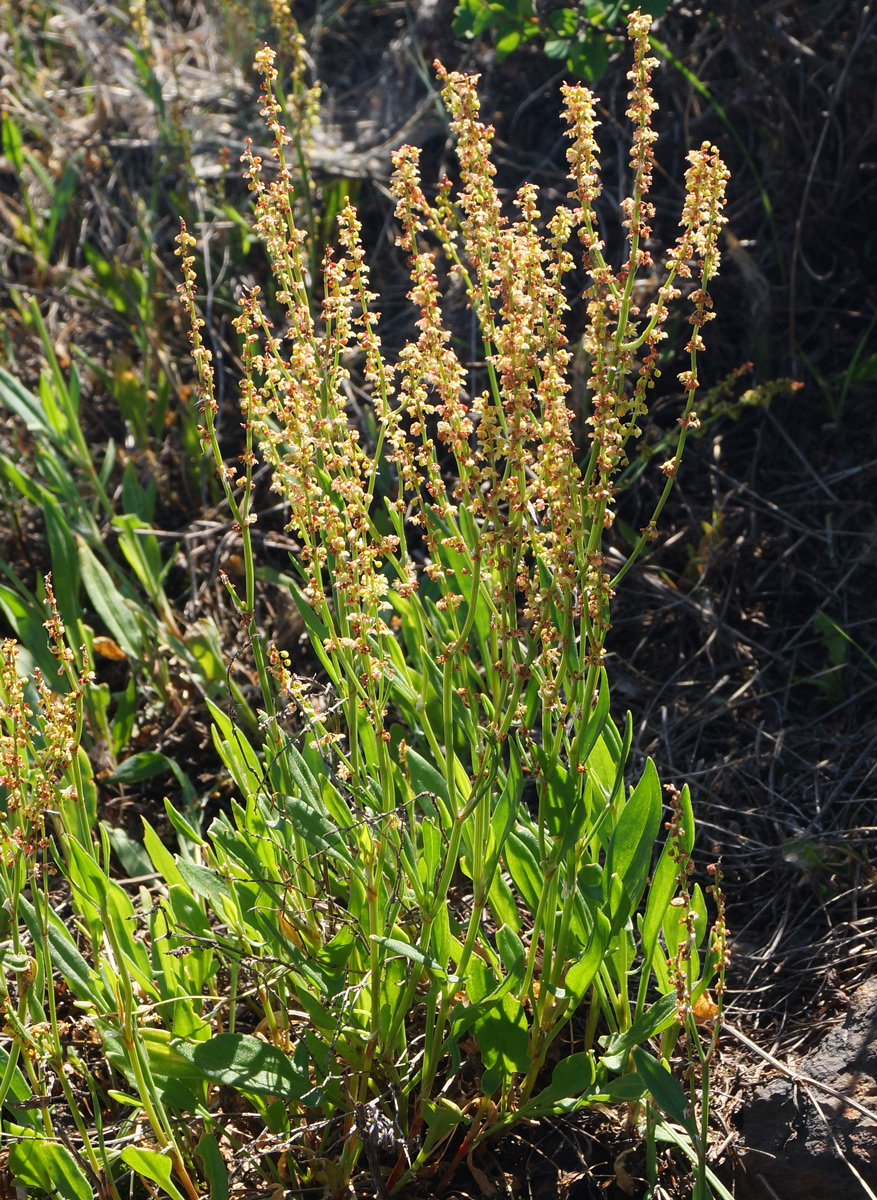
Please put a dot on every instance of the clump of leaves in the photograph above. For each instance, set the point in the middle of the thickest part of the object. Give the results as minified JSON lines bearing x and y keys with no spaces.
{"x":582,"y":34}
{"x":460,"y":613}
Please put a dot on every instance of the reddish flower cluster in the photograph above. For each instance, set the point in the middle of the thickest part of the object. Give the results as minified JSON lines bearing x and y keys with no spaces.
{"x":516,"y":517}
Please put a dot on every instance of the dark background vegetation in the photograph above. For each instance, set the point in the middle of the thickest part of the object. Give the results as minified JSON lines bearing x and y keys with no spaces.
{"x":745,"y":646}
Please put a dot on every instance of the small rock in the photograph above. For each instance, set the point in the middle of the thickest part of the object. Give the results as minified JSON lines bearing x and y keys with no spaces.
{"x":786,"y":1149}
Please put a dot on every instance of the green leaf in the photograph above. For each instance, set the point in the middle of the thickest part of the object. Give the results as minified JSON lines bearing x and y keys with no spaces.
{"x":152,"y":1165}
{"x":303,"y":776}
{"x":63,"y":194}
{"x":18,"y":1095}
{"x":215,"y":1169}
{"x":181,"y":1085}
{"x":588,"y":58}
{"x":13,"y":145}
{"x":626,"y":1088}
{"x":416,"y":955}
{"x":80,"y":813}
{"x":598,"y":720}
{"x":512,"y":952}
{"x":185,"y":830}
{"x":427,"y":780}
{"x":26,"y":619}
{"x":130,"y":853}
{"x":26,"y":406}
{"x":205,"y":882}
{"x":673,"y":1136}
{"x":581,"y":973}
{"x":510,"y":37}
{"x":318,"y":830}
{"x":664,"y":881}
{"x":162,"y":859}
{"x":21,"y":482}
{"x":147,"y":764}
{"x":441,"y":1116}
{"x":524,"y":869}
{"x":252,"y":1066}
{"x":559,"y":802}
{"x":66,"y":959}
{"x":658,"y":1017}
{"x":472,"y":17}
{"x":46,"y":1165}
{"x":141,"y":549}
{"x":503,"y":1036}
{"x":317,"y":630}
{"x":571,"y":1077}
{"x":65,"y":564}
{"x":602,"y":764}
{"x":109,"y":603}
{"x":631,"y":846}
{"x":97,"y":894}
{"x":236,"y":752}
{"x":665,"y":1090}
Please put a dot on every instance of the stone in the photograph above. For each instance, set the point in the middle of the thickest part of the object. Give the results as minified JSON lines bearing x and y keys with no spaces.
{"x":786,"y":1149}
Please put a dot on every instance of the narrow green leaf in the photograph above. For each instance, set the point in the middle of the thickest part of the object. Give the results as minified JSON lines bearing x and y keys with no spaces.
{"x":65,"y":567}
{"x":665,"y":1090}
{"x":166,"y":1061}
{"x":441,"y":1117}
{"x":26,"y":618}
{"x":236,"y":752}
{"x":130,"y":853}
{"x":21,"y":482}
{"x":673,"y":1136}
{"x":109,"y":603}
{"x":18,"y":1095}
{"x":581,"y":973}
{"x":66,"y":959}
{"x":215,"y":1169}
{"x":602,"y":766}
{"x":63,"y":194}
{"x":141,"y":549}
{"x":317,"y":829}
{"x":425,"y":778}
{"x":631,"y":846}
{"x":598,"y":719}
{"x":658,"y":1017}
{"x":415,"y":954}
{"x":140,"y":766}
{"x":663,"y":885}
{"x":303,"y":776}
{"x":626,"y":1088}
{"x":152,"y":1165}
{"x":511,"y":951}
{"x":13,"y":144}
{"x":502,"y":903}
{"x":317,"y":630}
{"x":185,"y":830}
{"x":105,"y":897}
{"x":561,"y":806}
{"x":205,"y":882}
{"x":162,"y":859}
{"x":25,"y":405}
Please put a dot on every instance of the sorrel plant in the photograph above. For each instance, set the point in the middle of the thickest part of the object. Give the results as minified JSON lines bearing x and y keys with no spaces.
{"x":458,"y":866}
